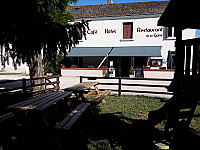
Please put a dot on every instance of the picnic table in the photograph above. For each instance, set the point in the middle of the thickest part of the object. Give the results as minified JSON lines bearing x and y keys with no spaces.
{"x":33,"y":112}
{"x":38,"y":104}
{"x":79,"y":90}
{"x":84,"y":87}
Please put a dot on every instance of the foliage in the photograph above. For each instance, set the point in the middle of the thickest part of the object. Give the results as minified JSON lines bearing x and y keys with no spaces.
{"x":45,"y":29}
{"x":56,"y":10}
{"x":131,"y":71}
{"x":53,"y":67}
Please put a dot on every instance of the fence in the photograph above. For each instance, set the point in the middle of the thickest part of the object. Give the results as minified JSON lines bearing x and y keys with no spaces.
{"x":119,"y":82}
{"x":48,"y":83}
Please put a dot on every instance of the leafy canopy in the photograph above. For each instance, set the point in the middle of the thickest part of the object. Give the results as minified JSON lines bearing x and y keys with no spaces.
{"x":29,"y":27}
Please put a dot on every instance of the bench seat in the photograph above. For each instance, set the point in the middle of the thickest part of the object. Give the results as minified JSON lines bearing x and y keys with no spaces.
{"x":6,"y":116}
{"x":101,"y":96}
{"x":68,"y":122}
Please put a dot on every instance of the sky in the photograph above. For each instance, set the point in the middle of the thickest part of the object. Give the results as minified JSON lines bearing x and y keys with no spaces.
{"x":96,"y":2}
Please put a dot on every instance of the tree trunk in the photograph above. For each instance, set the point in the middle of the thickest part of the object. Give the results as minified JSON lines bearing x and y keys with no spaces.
{"x":36,"y":70}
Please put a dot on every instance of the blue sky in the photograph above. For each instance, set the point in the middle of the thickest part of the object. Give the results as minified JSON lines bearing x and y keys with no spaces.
{"x":96,"y":2}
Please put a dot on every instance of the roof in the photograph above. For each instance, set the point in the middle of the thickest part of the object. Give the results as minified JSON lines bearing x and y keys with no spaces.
{"x":181,"y":14}
{"x":118,"y":9}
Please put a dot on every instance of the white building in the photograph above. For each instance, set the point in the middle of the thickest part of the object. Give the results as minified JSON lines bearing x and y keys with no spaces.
{"x":127,"y":33}
{"x":8,"y":67}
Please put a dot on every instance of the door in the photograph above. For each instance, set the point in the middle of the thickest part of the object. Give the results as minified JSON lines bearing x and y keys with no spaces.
{"x":125,"y":66}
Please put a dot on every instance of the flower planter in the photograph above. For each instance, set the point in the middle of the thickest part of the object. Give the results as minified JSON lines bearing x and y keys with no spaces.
{"x":90,"y":66}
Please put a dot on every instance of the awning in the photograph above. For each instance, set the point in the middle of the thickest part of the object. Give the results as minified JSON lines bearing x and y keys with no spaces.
{"x":147,"y":51}
{"x":88,"y":51}
{"x":137,"y":51}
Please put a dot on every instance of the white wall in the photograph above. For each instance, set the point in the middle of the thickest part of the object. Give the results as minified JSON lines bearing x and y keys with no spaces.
{"x":9,"y":68}
{"x":85,"y":72}
{"x":97,"y":37}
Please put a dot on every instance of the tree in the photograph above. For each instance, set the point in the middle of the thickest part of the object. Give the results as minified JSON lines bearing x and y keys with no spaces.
{"x":30,"y":30}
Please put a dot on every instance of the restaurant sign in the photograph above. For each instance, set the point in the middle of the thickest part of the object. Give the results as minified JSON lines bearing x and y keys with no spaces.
{"x":151,"y":32}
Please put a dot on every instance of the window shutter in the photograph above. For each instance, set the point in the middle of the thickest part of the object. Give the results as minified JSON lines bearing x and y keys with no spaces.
{"x":127,"y":30}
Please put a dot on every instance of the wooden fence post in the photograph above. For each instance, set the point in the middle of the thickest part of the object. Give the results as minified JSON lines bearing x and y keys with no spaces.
{"x":58,"y":83}
{"x":24,"y":87}
{"x":81,"y":79}
{"x":120,"y":87}
{"x":45,"y":84}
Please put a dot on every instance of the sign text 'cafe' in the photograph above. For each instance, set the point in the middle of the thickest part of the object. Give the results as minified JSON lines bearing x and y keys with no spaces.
{"x":151,"y":32}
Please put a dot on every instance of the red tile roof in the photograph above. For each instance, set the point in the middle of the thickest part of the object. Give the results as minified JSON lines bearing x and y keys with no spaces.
{"x":119,"y":9}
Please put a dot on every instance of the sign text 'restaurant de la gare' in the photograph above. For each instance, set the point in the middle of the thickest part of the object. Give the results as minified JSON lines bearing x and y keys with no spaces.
{"x":152,"y":32}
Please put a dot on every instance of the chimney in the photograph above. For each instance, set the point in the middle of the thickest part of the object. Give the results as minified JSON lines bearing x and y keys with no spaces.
{"x":109,"y":1}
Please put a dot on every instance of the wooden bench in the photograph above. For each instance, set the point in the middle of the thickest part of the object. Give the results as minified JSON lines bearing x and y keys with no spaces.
{"x":71,"y":119}
{"x":68,"y":122}
{"x":100,"y":97}
{"x":6,"y":116}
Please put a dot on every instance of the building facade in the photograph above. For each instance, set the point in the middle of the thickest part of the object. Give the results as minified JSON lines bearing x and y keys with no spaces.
{"x":125,"y":35}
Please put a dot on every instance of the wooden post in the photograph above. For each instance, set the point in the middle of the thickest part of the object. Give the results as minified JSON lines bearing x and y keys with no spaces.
{"x":81,"y":79}
{"x":58,"y":83}
{"x":180,"y":52}
{"x":120,"y":87}
{"x":24,"y":87}
{"x":188,"y":58}
{"x":45,"y":84}
{"x":195,"y":59}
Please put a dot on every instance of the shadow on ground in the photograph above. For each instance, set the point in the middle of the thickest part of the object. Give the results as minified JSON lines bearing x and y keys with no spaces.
{"x":102,"y":131}
{"x":111,"y":131}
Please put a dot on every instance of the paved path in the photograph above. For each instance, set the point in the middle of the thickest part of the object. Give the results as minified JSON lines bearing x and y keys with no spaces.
{"x":12,"y":84}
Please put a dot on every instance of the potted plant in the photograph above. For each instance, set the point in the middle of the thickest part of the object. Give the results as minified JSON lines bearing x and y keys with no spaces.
{"x":62,"y":66}
{"x":91,"y":66}
{"x":73,"y":67}
{"x":131,"y":72}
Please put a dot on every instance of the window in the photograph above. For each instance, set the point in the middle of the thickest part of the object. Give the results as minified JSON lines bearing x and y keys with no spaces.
{"x":76,"y":9}
{"x":128,"y":30}
{"x":170,"y":32}
{"x":155,"y":62}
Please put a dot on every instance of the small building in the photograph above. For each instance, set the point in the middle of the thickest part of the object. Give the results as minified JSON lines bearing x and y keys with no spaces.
{"x":125,"y":34}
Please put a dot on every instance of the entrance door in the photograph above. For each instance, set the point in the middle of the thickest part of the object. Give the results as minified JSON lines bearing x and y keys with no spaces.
{"x":140,"y":61}
{"x":125,"y":66}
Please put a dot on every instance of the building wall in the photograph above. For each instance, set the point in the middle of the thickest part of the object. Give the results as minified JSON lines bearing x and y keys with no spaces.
{"x":108,"y":32}
{"x":9,"y":67}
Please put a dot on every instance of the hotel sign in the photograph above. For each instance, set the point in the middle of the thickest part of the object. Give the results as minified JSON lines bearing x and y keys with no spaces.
{"x":110,"y":31}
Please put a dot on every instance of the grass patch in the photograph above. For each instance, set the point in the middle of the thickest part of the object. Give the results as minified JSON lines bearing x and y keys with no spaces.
{"x":133,"y":107}
{"x":123,"y":117}
{"x":10,"y":73}
{"x":123,"y":122}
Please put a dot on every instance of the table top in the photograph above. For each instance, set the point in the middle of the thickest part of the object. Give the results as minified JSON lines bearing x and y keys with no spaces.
{"x":41,"y":102}
{"x":81,"y":86}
